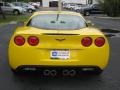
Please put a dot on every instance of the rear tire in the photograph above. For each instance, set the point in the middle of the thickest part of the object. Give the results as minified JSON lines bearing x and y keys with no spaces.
{"x":71,"y":9}
{"x":16,"y":72}
{"x":98,"y":72}
{"x":16,"y":12}
{"x":86,"y":13}
{"x":30,"y":10}
{"x":77,"y":10}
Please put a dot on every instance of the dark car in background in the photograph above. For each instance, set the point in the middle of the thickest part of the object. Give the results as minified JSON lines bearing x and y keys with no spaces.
{"x":92,"y":9}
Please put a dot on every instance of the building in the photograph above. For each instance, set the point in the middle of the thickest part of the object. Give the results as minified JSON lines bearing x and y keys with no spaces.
{"x":54,"y":3}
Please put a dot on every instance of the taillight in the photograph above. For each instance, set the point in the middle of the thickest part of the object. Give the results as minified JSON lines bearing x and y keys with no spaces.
{"x":86,"y":41}
{"x":19,"y":40}
{"x":100,"y":41}
{"x":33,"y":40}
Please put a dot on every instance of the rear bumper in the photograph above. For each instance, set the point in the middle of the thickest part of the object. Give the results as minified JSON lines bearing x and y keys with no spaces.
{"x":58,"y":70}
{"x":87,"y":63}
{"x":19,"y":57}
{"x":37,"y":59}
{"x":42,"y":67}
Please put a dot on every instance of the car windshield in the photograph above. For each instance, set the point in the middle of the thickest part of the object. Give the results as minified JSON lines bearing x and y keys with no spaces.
{"x":57,"y":22}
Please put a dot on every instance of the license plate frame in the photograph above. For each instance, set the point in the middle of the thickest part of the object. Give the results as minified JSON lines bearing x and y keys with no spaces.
{"x":63,"y":54}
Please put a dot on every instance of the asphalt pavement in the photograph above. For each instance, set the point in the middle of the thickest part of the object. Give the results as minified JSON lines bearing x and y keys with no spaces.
{"x":109,"y":79}
{"x":104,"y":22}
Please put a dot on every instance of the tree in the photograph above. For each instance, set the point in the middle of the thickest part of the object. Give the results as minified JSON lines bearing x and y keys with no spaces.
{"x":1,"y":12}
{"x":111,"y":7}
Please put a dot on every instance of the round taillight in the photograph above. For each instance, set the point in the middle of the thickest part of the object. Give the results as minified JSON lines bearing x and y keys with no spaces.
{"x":33,"y":40}
{"x":86,"y":41}
{"x":100,"y":41}
{"x":19,"y":40}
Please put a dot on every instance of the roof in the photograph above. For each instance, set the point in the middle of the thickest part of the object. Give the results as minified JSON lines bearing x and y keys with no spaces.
{"x":56,"y":12}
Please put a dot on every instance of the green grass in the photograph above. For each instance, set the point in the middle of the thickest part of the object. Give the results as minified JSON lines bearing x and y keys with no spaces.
{"x":9,"y":18}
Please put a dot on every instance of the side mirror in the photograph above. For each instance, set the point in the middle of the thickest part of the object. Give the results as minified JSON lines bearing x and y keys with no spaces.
{"x":89,"y":23}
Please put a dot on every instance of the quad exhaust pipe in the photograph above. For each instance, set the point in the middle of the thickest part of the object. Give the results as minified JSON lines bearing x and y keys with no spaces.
{"x":72,"y":73}
{"x":53,"y":73}
{"x":64,"y":73}
{"x":46,"y":72}
{"x":50,"y":73}
{"x":69,"y":72}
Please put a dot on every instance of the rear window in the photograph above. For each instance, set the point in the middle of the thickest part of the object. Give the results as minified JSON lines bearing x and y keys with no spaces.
{"x":57,"y":22}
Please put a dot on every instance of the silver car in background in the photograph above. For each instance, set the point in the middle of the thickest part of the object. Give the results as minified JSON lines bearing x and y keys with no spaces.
{"x":80,"y":8}
{"x":10,"y":8}
{"x":27,"y":6}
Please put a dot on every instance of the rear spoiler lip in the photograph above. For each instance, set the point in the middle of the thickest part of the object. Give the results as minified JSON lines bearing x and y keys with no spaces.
{"x":59,"y":34}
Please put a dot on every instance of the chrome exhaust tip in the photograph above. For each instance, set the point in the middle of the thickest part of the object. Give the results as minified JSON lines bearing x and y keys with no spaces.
{"x":72,"y":72}
{"x":46,"y":72}
{"x":65,"y":72}
{"x":53,"y":73}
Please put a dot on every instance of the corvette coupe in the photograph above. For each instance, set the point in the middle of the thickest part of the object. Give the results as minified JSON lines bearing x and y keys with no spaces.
{"x":52,"y":41}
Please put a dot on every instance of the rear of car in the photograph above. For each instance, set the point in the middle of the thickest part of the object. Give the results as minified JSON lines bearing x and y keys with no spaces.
{"x":58,"y":40}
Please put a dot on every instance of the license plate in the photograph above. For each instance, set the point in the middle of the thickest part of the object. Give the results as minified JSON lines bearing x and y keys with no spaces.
{"x":60,"y":54}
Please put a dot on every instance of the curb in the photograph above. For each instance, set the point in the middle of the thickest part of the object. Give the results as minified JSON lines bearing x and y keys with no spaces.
{"x":13,"y":22}
{"x":108,"y":17}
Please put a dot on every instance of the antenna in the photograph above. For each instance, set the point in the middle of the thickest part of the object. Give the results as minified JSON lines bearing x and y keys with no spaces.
{"x":59,"y":6}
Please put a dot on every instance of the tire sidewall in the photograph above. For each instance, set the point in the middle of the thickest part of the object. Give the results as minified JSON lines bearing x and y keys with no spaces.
{"x":30,"y":10}
{"x":16,"y":12}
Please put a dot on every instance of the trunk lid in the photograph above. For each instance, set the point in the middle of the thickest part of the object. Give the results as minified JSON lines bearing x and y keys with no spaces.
{"x":59,"y":39}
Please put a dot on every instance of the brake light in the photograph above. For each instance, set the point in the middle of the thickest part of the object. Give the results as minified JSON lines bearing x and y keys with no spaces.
{"x":19,"y":40}
{"x":33,"y":40}
{"x":100,"y":41}
{"x":86,"y":41}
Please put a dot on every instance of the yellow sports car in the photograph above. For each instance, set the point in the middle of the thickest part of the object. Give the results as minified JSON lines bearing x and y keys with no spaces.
{"x":54,"y":41}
